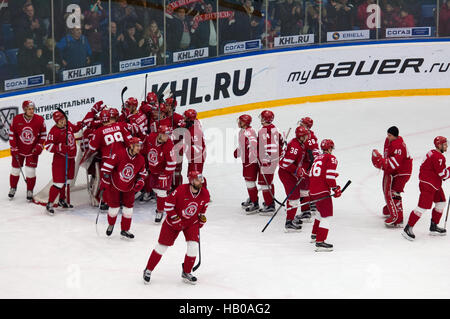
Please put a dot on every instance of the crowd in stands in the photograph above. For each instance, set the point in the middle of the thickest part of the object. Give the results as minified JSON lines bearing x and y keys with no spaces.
{"x":32,"y":42}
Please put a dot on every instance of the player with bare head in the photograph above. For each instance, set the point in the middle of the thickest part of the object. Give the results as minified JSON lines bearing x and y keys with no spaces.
{"x":433,"y":171}
{"x":27,"y":136}
{"x":123,"y":174}
{"x":397,"y":167}
{"x":291,"y":173}
{"x":195,"y":146}
{"x":247,"y":150}
{"x":322,"y":181}
{"x":185,"y":208}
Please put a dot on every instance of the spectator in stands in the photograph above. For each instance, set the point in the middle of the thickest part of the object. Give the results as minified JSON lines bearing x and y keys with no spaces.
{"x":406,"y":20}
{"x":92,"y":21}
{"x":75,"y":50}
{"x":315,"y":20}
{"x":178,"y":38}
{"x":291,"y":18}
{"x":268,"y":38}
{"x":444,"y":19}
{"x":366,"y":20}
{"x":29,"y":24}
{"x":391,"y":16}
{"x":247,"y":25}
{"x":340,"y":15}
{"x":116,"y":40}
{"x":47,"y":64}
{"x":143,"y":13}
{"x":124,"y":15}
{"x":130,"y":43}
{"x":152,"y":42}
{"x":205,"y":31}
{"x":28,"y":58}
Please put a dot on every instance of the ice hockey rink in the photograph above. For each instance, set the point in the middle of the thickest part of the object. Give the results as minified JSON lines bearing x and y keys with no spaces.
{"x":63,"y":257}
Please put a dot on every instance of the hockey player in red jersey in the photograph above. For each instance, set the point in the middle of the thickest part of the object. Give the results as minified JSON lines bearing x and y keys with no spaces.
{"x":269,"y":151}
{"x":322,"y":181}
{"x":291,"y":173}
{"x":27,"y":136}
{"x":123,"y":175}
{"x":397,"y":167}
{"x":433,"y":171}
{"x":248,"y":152}
{"x":195,"y":146}
{"x":185,"y":208}
{"x":61,"y":146}
{"x":312,"y":150}
{"x":150,"y":107}
{"x":135,"y":117}
{"x":161,"y":162}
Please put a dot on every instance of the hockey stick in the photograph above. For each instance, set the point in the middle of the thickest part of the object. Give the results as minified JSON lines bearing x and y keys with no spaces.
{"x":324,"y":197}
{"x":199,"y":253}
{"x":270,"y":189}
{"x":285,"y":200}
{"x":98,"y":212}
{"x":446,"y":215}
{"x":121,"y":95}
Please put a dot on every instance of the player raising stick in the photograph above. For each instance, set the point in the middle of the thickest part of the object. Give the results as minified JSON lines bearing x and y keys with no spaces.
{"x":397,"y":167}
{"x":123,"y":174}
{"x":248,"y":151}
{"x":185,"y":207}
{"x":322,"y":180}
{"x":27,"y":135}
{"x":432,"y":173}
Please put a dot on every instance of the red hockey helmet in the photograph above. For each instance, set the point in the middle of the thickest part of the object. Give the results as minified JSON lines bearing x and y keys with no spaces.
{"x":267,"y":116}
{"x":105,"y":115}
{"x":27,"y":103}
{"x":135,"y":140}
{"x":113,"y":113}
{"x":307,"y":122}
{"x":301,"y":131}
{"x":152,"y":98}
{"x":246,"y":119}
{"x":190,"y":114}
{"x":172,"y":102}
{"x":164,"y":129}
{"x":439,"y":140}
{"x":57,"y":116}
{"x":163,"y":107}
{"x":326,"y":144}
{"x":195,"y":174}
{"x":131,"y":101}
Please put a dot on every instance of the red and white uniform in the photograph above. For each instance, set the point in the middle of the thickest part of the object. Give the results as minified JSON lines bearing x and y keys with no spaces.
{"x":290,"y":165}
{"x":124,"y":171}
{"x":322,"y":179}
{"x":248,"y":151}
{"x":183,"y":210}
{"x":56,"y":144}
{"x":269,"y":151}
{"x":195,"y":148}
{"x":26,"y":140}
{"x":161,"y":163}
{"x":106,"y":137}
{"x":312,"y":151}
{"x":138,"y":122}
{"x":432,"y":172}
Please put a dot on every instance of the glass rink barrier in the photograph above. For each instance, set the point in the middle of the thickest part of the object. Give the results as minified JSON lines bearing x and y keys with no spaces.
{"x":44,"y":42}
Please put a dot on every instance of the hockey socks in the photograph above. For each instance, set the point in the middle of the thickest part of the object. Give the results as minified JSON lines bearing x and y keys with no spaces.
{"x":188,"y":263}
{"x":315,"y":226}
{"x":436,"y":216}
{"x":253,"y":194}
{"x":322,"y":230}
{"x":31,"y":181}
{"x":291,"y":209}
{"x":267,"y":195}
{"x":153,"y":260}
{"x":414,"y":217}
{"x":13,"y":180}
{"x":125,"y":223}
{"x":53,"y":193}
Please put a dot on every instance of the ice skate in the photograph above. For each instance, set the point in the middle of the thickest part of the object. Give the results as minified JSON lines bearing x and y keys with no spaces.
{"x":29,"y":196}
{"x":12,"y":192}
{"x":267,"y":210}
{"x":253,"y":208}
{"x":313,"y":238}
{"x":247,"y":203}
{"x":323,"y":246}
{"x":304,"y":216}
{"x":435,"y":230}
{"x":49,"y":209}
{"x":408,"y":233}
{"x":158,"y":217}
{"x":292,"y":226}
{"x":147,"y":275}
{"x":125,"y":234}
{"x":188,"y":278}
{"x":62,"y":203}
{"x":109,"y":230}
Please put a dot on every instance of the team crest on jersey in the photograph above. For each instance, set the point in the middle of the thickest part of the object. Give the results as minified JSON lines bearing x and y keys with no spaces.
{"x":191,"y":209}
{"x":127,"y":173}
{"x":153,"y":157}
{"x":71,"y":140}
{"x":6,"y":116}
{"x":27,"y":136}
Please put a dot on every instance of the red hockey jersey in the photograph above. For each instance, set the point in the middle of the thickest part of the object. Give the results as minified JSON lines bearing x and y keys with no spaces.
{"x":25,"y":135}
{"x":124,"y":170}
{"x":195,"y":146}
{"x":312,"y":150}
{"x":248,"y":146}
{"x":57,"y":137}
{"x":397,"y":157}
{"x":107,"y":136}
{"x":323,"y":174}
{"x":270,"y":144}
{"x":294,"y":156}
{"x":160,"y":157}
{"x":138,"y":121}
{"x":433,"y":170}
{"x":186,"y":205}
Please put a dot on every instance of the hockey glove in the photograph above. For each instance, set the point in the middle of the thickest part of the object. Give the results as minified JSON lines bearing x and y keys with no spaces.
{"x":14,"y":151}
{"x":37,"y":150}
{"x":337,"y":191}
{"x":377,"y":159}
{"x":139,"y":185}
{"x":236,"y":153}
{"x":201,"y":219}
{"x":175,"y":222}
{"x":97,"y":107}
{"x":300,"y":173}
{"x":105,"y":182}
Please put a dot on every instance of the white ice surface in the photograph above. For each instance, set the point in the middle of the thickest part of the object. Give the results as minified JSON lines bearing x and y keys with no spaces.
{"x":62,"y":256}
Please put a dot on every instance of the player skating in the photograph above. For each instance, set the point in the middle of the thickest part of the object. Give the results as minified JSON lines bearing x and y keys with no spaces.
{"x":27,"y":136}
{"x":185,"y":208}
